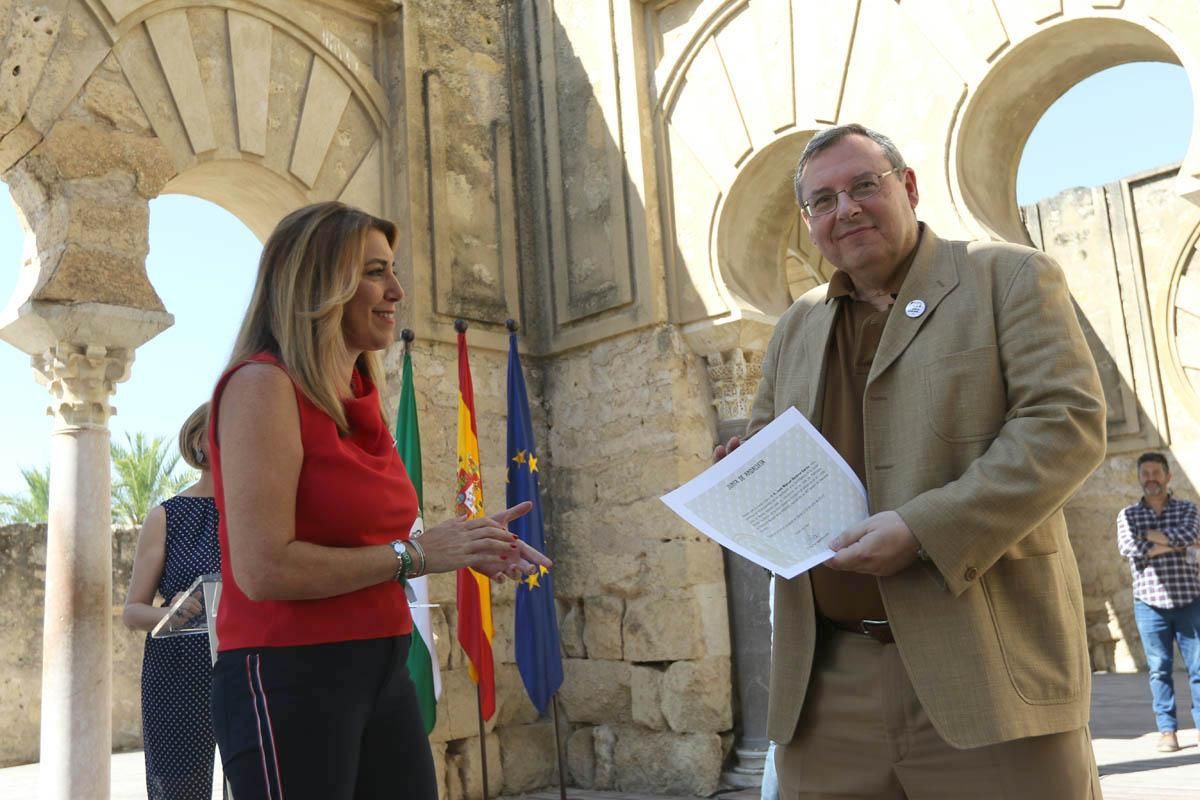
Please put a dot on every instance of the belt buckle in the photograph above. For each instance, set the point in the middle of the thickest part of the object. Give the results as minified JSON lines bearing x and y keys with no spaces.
{"x":873,"y":628}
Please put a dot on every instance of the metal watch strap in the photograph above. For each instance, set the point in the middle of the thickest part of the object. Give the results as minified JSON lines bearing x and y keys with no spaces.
{"x":404,"y":566}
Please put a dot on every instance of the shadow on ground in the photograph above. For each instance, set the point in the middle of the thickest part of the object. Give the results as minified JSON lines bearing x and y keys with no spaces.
{"x":1166,"y":761}
{"x":1121,"y":705}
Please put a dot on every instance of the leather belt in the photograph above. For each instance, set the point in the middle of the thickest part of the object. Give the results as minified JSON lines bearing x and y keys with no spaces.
{"x":877,"y":629}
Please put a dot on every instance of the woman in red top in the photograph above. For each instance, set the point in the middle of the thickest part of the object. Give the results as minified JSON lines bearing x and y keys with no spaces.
{"x":311,"y":697}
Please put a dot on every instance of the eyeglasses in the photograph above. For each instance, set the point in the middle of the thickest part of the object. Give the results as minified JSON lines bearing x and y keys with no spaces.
{"x":863,"y":187}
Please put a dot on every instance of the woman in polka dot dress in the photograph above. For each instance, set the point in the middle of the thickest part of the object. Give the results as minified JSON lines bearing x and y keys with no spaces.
{"x":178,"y":542}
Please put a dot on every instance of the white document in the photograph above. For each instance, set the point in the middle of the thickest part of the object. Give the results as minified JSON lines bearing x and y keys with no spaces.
{"x":778,"y":499}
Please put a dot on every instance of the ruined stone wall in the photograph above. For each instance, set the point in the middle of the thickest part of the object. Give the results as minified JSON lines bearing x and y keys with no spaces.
{"x":22,"y":594}
{"x":642,"y":595}
{"x":1125,"y":247}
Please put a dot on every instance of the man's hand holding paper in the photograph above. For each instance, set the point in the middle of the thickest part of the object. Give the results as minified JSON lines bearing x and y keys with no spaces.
{"x":880,"y":545}
{"x":779,"y":499}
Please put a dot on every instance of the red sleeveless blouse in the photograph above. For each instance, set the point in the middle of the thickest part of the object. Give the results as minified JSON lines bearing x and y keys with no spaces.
{"x":352,"y":491}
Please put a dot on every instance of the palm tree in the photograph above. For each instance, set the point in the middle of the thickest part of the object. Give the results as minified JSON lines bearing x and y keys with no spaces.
{"x":32,"y":508}
{"x":143,"y":477}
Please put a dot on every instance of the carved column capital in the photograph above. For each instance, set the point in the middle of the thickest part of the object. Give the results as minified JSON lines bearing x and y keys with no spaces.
{"x":81,"y":378}
{"x":734,"y":376}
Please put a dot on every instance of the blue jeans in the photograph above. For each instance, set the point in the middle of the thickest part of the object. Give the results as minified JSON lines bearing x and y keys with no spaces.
{"x":1159,"y":629}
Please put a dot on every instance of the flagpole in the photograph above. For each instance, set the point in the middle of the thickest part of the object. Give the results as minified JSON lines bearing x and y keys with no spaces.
{"x":460,"y":326}
{"x":482,"y":739}
{"x":562,"y":772}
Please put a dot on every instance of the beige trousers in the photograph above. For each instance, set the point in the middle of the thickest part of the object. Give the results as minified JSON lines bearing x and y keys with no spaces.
{"x":863,"y":734}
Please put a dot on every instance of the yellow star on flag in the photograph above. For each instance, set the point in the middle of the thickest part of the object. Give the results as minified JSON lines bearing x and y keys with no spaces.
{"x":519,"y":457}
{"x":532,"y":580}
{"x":532,"y":463}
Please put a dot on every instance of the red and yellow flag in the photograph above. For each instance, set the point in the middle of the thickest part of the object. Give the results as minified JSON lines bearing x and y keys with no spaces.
{"x":474,"y":589}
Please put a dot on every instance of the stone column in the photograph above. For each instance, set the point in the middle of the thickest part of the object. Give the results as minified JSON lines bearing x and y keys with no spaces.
{"x":82,"y":306}
{"x":76,"y":741}
{"x":734,"y":375}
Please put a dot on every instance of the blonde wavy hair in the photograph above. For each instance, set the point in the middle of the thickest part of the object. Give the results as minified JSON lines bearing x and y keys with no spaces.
{"x":310,"y":268}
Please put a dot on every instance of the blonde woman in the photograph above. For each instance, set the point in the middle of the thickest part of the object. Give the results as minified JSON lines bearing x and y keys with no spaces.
{"x":311,"y":697}
{"x":177,"y":543}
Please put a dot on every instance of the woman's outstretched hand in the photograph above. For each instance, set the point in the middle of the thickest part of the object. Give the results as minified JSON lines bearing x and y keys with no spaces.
{"x":484,"y":544}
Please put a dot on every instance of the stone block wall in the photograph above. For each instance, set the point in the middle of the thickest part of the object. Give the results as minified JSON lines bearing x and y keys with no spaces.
{"x":646,"y":699}
{"x":642,"y":602}
{"x":1124,"y":247}
{"x":22,"y":594}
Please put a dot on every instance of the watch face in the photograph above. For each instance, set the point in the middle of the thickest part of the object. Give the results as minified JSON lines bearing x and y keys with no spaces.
{"x":398,"y":548}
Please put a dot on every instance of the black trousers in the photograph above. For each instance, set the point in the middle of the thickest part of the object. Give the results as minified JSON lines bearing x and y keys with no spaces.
{"x":334,"y":721}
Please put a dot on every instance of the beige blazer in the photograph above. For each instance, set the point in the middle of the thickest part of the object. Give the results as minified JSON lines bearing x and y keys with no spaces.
{"x":982,"y":415}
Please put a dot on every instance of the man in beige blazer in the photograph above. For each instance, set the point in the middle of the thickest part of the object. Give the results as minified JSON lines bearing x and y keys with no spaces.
{"x":941,"y":653}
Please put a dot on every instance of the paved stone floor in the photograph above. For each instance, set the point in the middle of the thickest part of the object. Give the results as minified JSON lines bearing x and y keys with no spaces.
{"x":1122,"y":730}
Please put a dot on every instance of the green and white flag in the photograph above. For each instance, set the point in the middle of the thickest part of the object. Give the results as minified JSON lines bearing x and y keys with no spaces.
{"x":422,"y":657}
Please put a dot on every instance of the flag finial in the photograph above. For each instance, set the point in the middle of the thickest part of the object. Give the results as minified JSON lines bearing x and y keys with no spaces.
{"x":460,"y":325}
{"x":512,"y":325}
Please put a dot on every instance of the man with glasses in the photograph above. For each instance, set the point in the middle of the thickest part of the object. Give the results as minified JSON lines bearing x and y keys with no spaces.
{"x":942,"y":652}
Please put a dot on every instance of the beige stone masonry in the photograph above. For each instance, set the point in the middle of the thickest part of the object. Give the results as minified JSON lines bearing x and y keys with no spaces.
{"x":581,"y":757}
{"x":250,"y":48}
{"x":172,"y":38}
{"x":22,"y":594}
{"x":570,"y":629}
{"x":596,"y":691}
{"x":324,"y":104}
{"x":527,"y":756}
{"x":696,"y":696}
{"x":677,"y":624}
{"x":632,"y":759}
{"x":602,"y":627}
{"x":30,"y":37}
{"x":464,"y":776}
{"x":645,"y":690}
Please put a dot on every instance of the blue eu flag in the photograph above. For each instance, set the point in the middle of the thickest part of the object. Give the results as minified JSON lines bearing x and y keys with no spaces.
{"x":538,"y":656}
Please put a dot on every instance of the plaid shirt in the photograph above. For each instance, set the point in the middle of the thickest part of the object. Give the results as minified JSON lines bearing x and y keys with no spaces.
{"x":1167,"y":581}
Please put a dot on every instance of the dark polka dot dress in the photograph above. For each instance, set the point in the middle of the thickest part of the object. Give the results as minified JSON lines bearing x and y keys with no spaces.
{"x":176,"y":672}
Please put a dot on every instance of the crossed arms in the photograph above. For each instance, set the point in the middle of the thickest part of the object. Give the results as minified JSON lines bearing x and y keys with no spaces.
{"x":1140,"y":545}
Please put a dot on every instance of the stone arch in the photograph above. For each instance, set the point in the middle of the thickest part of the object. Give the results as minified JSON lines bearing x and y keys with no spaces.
{"x":733,"y":128}
{"x":1179,"y":325}
{"x":254,"y":105}
{"x":251,"y":192}
{"x":960,"y":87}
{"x":282,"y":94}
{"x":1000,"y":113}
{"x":762,"y":246}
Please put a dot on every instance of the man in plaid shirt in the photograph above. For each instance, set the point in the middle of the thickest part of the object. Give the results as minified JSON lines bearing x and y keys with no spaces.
{"x":1157,"y":535}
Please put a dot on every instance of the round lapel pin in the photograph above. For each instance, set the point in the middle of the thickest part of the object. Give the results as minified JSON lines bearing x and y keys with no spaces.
{"x":915,"y":308}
